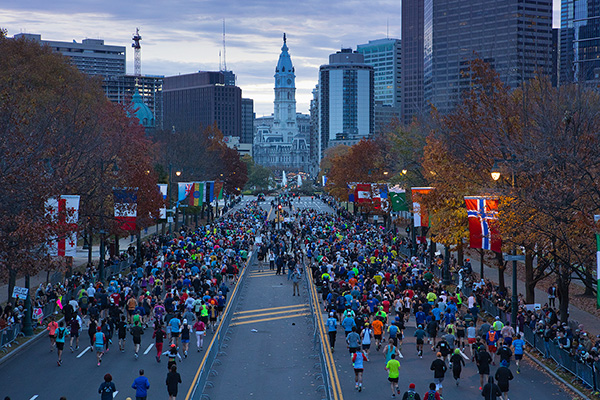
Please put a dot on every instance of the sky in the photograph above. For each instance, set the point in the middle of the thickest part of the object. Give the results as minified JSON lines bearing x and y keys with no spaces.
{"x":186,"y":36}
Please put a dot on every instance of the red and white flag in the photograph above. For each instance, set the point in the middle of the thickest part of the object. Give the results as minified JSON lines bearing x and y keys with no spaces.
{"x":64,"y":211}
{"x":126,"y":208}
{"x":363,"y":192}
{"x":483,"y":231}
{"x":421,"y":216}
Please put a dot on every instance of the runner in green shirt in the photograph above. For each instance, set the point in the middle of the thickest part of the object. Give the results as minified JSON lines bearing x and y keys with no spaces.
{"x":393,"y":369}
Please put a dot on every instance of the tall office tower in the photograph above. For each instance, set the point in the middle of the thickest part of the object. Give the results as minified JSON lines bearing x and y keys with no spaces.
{"x":247,"y":121}
{"x":579,"y":41}
{"x":313,"y":141}
{"x":121,"y":88}
{"x":385,"y":55}
{"x":196,"y":101}
{"x":346,"y":100}
{"x":440,"y":38}
{"x":91,"y":56}
{"x":278,"y":141}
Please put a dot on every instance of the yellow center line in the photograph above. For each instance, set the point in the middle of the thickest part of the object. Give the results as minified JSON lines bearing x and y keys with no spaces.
{"x":272,"y":308}
{"x":269,"y":319}
{"x":270,"y":313}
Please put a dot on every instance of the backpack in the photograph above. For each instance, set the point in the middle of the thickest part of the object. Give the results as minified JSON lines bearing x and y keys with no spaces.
{"x":61,"y":333}
{"x":410,"y":396}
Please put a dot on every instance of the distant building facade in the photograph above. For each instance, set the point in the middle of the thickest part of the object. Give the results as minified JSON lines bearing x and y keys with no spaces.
{"x":345,"y":99}
{"x":248,"y":116}
{"x":579,"y":41}
{"x":440,"y":38}
{"x":281,"y":140}
{"x":198,"y":100}
{"x":121,"y":88}
{"x":91,"y":56}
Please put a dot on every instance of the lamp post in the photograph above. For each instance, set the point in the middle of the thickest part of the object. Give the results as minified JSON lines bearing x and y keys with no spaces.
{"x":169,"y":194}
{"x":495,"y":172}
{"x":102,"y":231}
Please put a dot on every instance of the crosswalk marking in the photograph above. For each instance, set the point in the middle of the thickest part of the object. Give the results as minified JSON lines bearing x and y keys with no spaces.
{"x":34,"y":397}
{"x":84,"y":351}
{"x":234,"y":323}
{"x":148,"y":349}
{"x":267,"y":309}
{"x":115,"y":394}
{"x":305,"y":308}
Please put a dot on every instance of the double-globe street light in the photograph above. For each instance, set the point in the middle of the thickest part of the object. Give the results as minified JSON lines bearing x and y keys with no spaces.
{"x":496,"y":174}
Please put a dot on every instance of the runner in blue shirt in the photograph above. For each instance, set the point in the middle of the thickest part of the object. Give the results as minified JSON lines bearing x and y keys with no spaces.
{"x":332,"y":326}
{"x":518,"y":346}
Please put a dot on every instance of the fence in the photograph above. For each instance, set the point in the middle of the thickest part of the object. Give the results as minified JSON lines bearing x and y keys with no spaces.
{"x":220,"y":334}
{"x":589,"y":374}
{"x":8,"y":335}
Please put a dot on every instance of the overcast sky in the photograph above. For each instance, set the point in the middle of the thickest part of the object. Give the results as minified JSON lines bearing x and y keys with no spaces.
{"x":180,"y":37}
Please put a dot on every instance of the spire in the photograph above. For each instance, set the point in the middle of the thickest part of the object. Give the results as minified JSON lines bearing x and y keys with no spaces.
{"x":284,"y":38}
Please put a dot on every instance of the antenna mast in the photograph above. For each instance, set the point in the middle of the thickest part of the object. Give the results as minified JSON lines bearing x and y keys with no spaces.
{"x":224,"y":58}
{"x":137,"y":53}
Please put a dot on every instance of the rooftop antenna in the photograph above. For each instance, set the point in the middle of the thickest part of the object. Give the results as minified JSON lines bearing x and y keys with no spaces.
{"x":220,"y":63}
{"x":388,"y":29}
{"x":137,"y":53}
{"x":224,"y":53}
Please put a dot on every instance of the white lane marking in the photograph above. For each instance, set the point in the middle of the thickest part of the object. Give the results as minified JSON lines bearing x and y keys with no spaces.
{"x":34,"y":397}
{"x":149,"y":348}
{"x":115,"y":394}
{"x":84,"y":351}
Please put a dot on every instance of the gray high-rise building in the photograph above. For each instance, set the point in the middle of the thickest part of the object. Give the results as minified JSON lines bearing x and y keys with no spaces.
{"x":385,"y":55}
{"x":247,"y":121}
{"x":91,"y":56}
{"x":346,"y":99}
{"x":440,"y":38}
{"x":579,"y":41}
{"x":198,"y":100}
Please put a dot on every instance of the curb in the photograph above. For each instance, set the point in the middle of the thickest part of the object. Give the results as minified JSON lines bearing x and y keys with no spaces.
{"x":23,"y":347}
{"x":557,"y":377}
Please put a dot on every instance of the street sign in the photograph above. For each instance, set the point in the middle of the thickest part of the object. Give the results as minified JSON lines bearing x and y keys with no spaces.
{"x":170,"y":220}
{"x":511,"y":257}
{"x":20,"y":293}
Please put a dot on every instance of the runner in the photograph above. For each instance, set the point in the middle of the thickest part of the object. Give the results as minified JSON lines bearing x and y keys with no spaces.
{"x":420,"y":335}
{"x":393,"y":369}
{"x":456,"y":363}
{"x":173,"y":381}
{"x":483,"y":360}
{"x":107,"y":388}
{"x":438,"y":366}
{"x":366,"y":336}
{"x":122,"y":333}
{"x":61,"y":334}
{"x":185,"y":338}
{"x":136,"y":333}
{"x":172,"y":356}
{"x":503,"y":377}
{"x":353,"y":341}
{"x":411,"y":394}
{"x":159,"y":335}
{"x":52,"y":327}
{"x":491,"y":391}
{"x":518,"y":346}
{"x":390,"y":349}
{"x":141,"y":386}
{"x":199,"y":329}
{"x":432,"y":394}
{"x":99,"y":340}
{"x":378,"y":332}
{"x":358,"y":359}
{"x":74,"y":328}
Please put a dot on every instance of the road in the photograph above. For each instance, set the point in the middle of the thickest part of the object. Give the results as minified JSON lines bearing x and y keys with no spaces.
{"x":270,"y":354}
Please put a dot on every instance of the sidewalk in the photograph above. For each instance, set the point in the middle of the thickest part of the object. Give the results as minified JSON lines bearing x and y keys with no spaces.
{"x":81,"y":258}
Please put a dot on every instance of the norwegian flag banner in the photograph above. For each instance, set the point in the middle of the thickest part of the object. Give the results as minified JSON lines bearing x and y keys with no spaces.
{"x":483,"y":232}
{"x":421,"y":217}
{"x":64,"y":211}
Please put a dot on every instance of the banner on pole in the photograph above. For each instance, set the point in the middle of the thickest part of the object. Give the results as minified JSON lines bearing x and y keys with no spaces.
{"x":64,"y":211}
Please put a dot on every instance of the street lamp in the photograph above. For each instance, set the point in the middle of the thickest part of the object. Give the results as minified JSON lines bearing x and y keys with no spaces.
{"x":115,"y":171}
{"x":169,"y":194}
{"x":496,"y":173}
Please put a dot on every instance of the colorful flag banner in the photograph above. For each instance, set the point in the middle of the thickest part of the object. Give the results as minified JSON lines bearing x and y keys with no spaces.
{"x":324,"y":180}
{"x":379,"y":192}
{"x":64,"y":211}
{"x":398,"y":198}
{"x":126,"y":208}
{"x":218,"y":190}
{"x":421,"y":217}
{"x":483,"y":215}
{"x":197,"y":194}
{"x":351,"y":192}
{"x":184,"y":189}
{"x":210,"y":191}
{"x":363,"y":193}
{"x":163,"y":188}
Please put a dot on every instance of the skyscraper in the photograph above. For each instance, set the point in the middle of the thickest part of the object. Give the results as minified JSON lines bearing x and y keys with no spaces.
{"x":385,"y":55}
{"x":579,"y":41}
{"x":247,"y":121}
{"x":440,"y":38}
{"x":346,"y":99}
{"x":91,"y":56}
{"x":198,"y":100}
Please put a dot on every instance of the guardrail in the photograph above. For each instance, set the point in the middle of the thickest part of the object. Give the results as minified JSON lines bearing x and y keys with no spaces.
{"x":8,"y":335}
{"x":588,"y":374}
{"x":318,"y":344}
{"x":196,"y":391}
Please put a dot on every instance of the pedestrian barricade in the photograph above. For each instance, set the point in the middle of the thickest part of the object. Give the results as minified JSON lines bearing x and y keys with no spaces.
{"x":8,"y":335}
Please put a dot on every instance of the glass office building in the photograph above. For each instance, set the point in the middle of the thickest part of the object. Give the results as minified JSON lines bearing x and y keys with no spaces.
{"x":579,"y":41}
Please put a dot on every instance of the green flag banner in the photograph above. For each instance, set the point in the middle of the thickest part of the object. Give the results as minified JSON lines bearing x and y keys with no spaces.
{"x":398,"y":200}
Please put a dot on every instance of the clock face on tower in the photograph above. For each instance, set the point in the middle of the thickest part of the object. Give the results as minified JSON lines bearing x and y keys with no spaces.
{"x":289,"y":81}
